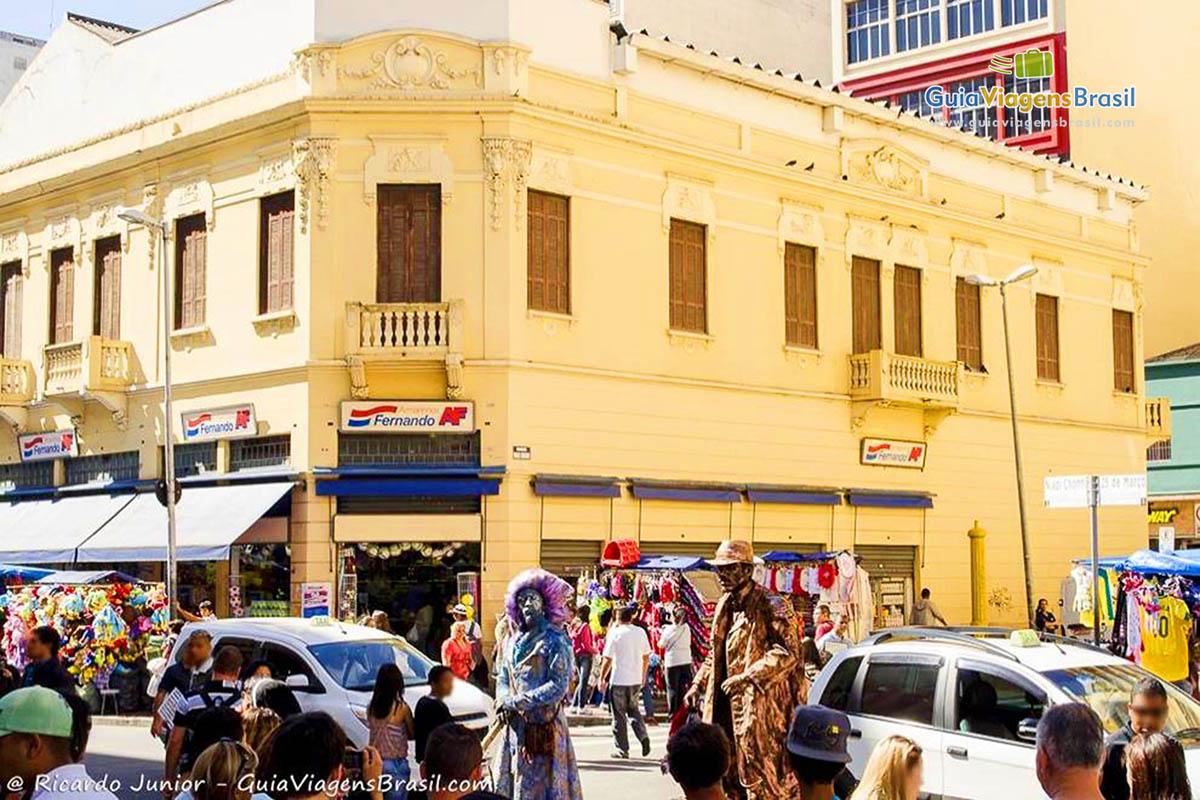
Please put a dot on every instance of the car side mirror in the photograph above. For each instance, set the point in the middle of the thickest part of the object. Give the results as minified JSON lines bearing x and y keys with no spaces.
{"x":297,"y":681}
{"x":1027,"y":730}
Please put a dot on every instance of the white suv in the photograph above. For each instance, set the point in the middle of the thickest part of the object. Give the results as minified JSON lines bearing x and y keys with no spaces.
{"x":971,"y":698}
{"x":331,"y":667}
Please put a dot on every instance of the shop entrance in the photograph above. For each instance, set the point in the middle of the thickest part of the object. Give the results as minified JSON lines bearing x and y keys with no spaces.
{"x":893,"y":571}
{"x":414,"y":583}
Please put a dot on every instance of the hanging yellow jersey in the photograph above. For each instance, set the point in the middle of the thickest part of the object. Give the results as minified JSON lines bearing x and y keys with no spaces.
{"x":1165,"y":639}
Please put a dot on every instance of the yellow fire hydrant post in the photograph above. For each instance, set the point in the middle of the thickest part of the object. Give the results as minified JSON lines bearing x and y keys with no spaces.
{"x":979,"y":611}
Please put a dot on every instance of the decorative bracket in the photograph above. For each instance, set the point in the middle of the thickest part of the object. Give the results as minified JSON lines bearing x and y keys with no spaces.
{"x":454,"y":376}
{"x":116,"y":403}
{"x":358,"y":377}
{"x":313,"y":160}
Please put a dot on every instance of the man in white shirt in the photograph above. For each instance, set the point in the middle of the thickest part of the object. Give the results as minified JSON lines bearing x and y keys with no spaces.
{"x":41,"y":745}
{"x":676,"y":642}
{"x":836,"y":640}
{"x":626,"y":661}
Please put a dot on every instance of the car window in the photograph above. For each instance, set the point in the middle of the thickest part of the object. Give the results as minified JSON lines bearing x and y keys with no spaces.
{"x":1106,"y":688}
{"x":284,"y":662}
{"x":247,"y":647}
{"x":354,"y":664}
{"x":900,"y":690}
{"x":841,"y":682}
{"x":991,"y":702}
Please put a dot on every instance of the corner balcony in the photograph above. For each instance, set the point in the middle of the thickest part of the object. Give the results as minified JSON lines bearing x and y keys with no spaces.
{"x":17,"y":389}
{"x":404,"y":332}
{"x":1157,"y":419}
{"x":880,"y":379}
{"x":94,"y":369}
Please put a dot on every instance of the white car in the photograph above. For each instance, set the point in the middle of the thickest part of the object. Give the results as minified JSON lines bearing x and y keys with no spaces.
{"x":331,"y":667}
{"x":971,"y":698}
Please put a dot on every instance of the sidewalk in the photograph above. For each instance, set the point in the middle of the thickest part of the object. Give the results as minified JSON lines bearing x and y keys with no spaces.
{"x":132,"y":720}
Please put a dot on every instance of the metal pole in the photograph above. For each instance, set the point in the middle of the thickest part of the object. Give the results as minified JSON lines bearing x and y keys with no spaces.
{"x":168,"y":442}
{"x":1012,"y":405}
{"x":1094,"y":502}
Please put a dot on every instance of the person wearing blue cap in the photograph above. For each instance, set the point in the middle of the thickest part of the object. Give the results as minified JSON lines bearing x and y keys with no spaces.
{"x":39,"y":750}
{"x":816,"y":746}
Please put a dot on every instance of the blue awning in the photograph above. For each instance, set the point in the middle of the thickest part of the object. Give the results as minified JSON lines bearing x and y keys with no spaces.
{"x":410,"y":487}
{"x":86,"y":577}
{"x":1151,"y":562}
{"x":12,"y":572}
{"x":872,"y":498}
{"x":794,"y":495}
{"x":787,"y":556}
{"x":575,"y":486}
{"x":694,"y":491}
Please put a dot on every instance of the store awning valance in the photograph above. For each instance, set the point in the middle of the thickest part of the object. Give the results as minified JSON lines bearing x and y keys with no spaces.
{"x":48,"y":531}
{"x":873,"y":498}
{"x":209,"y":519}
{"x":405,"y":480}
{"x":794,"y":495}
{"x":545,"y":485}
{"x":693,"y":491}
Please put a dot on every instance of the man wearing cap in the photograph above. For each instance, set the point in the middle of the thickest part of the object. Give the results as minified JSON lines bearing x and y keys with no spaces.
{"x":36,"y":757}
{"x":816,"y":746}
{"x":752,"y":679}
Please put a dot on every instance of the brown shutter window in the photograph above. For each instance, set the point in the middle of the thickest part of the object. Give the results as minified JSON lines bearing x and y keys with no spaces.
{"x":409,"y":244}
{"x":106,"y":301}
{"x":1047,"y":338}
{"x":864,"y":299}
{"x":906,"y":294}
{"x":62,"y":295}
{"x":800,"y":295}
{"x":548,"y":253}
{"x":970,"y":337}
{"x":275,"y":249}
{"x":689,"y":295}
{"x":1123,"y":376}
{"x":190,"y":258}
{"x":11,"y":289}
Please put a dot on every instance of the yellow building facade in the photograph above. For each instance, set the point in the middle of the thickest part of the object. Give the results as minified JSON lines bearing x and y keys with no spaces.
{"x":697,"y":432}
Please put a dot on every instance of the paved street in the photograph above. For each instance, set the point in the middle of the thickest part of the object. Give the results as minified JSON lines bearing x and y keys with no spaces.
{"x":126,"y":753}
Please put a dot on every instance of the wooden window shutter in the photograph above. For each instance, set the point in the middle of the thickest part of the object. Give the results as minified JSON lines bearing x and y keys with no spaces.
{"x":11,"y":291}
{"x":62,"y":295}
{"x":548,"y":253}
{"x":1123,"y":373}
{"x":689,"y":295}
{"x":906,"y":294}
{"x":275,"y":253}
{"x":864,"y":299}
{"x":408,"y":244}
{"x":106,"y":301}
{"x":969,"y":329}
{"x":1047,"y":338}
{"x":190,"y":259}
{"x":800,"y":295}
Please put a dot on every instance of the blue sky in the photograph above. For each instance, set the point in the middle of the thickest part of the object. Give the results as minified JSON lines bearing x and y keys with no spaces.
{"x":39,"y":17}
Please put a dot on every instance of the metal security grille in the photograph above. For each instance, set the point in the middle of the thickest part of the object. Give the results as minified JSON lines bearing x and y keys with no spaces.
{"x":894,"y":562}
{"x":195,"y":459}
{"x":409,"y":505}
{"x":567,"y":558}
{"x":26,"y":476}
{"x":443,"y":450}
{"x":103,"y":468}
{"x":262,"y":451}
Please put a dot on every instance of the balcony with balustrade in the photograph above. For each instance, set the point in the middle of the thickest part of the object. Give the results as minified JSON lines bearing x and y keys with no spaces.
{"x":382,"y":333}
{"x":1157,"y":419}
{"x":882,"y":379}
{"x":93,"y":369}
{"x":17,"y":389}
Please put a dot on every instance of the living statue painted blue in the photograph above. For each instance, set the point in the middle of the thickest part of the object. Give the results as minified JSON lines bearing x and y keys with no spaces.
{"x":537,"y":761}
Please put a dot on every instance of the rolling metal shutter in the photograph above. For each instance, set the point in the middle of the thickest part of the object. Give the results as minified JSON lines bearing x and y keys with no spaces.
{"x":566,"y":558}
{"x":888,"y":561}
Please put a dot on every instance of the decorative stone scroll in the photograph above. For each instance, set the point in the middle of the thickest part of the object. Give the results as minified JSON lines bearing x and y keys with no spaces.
{"x":14,"y":246}
{"x":689,"y":199}
{"x":885,"y":165}
{"x":407,"y":159}
{"x":867,"y":239}
{"x":191,"y":195}
{"x":506,"y":161}
{"x":414,"y":62}
{"x":801,"y":224}
{"x":313,"y":160}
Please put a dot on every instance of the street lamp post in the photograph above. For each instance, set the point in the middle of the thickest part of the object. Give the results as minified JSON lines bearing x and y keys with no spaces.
{"x":1019,"y":274}
{"x":138,"y":217}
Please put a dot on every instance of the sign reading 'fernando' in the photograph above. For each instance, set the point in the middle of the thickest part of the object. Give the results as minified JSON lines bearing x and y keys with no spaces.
{"x":407,"y":416}
{"x":49,"y":444}
{"x":893,"y":453}
{"x":230,"y":422}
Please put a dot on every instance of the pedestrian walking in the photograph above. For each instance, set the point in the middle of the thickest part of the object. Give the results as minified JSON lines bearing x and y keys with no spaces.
{"x":652,"y":673}
{"x":924,"y":612}
{"x":676,"y":643}
{"x":1157,"y":769}
{"x":390,"y":723}
{"x":45,"y":667}
{"x":1147,"y":714}
{"x":222,"y":691}
{"x":823,"y":621}
{"x":836,"y":640}
{"x":307,"y":757}
{"x":457,"y":652}
{"x":698,"y":757}
{"x":479,"y":669}
{"x":816,"y":750}
{"x":583,"y":644}
{"x":192,"y":669}
{"x":432,"y":712}
{"x":43,"y":737}
{"x":1070,"y":745}
{"x":626,"y":662}
{"x":893,"y":771}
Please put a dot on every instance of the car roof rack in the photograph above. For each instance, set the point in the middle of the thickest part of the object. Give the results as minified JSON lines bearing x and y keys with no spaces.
{"x":967,"y":636}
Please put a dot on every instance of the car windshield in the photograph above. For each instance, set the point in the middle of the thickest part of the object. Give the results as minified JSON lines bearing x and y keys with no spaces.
{"x":1106,"y":689}
{"x":354,"y":664}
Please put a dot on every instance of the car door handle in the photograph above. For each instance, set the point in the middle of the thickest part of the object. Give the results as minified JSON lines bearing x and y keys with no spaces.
{"x":855,"y":734}
{"x":956,"y":752}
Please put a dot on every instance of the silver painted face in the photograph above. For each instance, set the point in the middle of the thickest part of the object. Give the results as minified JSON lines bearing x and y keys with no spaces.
{"x":532,"y":606}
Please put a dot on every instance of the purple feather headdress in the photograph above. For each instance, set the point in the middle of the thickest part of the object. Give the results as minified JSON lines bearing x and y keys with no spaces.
{"x":556,"y":592}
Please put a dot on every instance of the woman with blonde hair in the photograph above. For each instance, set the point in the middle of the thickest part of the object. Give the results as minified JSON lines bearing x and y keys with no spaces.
{"x":258,"y":724}
{"x":893,"y":772}
{"x":224,"y":771}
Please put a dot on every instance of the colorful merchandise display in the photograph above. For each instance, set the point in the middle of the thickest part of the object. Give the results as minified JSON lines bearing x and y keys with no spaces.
{"x":834,"y":579}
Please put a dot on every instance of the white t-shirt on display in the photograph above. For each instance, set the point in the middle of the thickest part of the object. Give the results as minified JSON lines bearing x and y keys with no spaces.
{"x":627,"y":646}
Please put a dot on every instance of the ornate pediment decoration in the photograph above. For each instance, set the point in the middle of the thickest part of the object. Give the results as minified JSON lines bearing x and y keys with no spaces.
{"x":967,"y":258}
{"x":801,"y":224}
{"x":313,"y":160}
{"x":189,"y":195}
{"x":909,"y":247}
{"x":1124,"y":296}
{"x":63,"y":229}
{"x":407,"y":159}
{"x":885,"y":165}
{"x":689,"y":199}
{"x":866,"y":238}
{"x":550,"y":170}
{"x":412,"y":63}
{"x":14,"y":246}
{"x":275,"y":171}
{"x":103,"y":222}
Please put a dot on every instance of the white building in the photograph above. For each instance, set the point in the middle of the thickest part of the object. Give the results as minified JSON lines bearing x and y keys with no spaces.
{"x":16,"y":54}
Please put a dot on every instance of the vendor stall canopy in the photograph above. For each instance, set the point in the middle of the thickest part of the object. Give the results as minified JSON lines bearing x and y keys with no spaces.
{"x":1185,"y":563}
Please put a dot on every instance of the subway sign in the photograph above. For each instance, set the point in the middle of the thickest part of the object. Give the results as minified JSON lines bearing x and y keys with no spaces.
{"x":407,"y":416}
{"x":48,"y":445}
{"x":228,"y":422}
